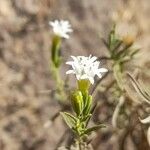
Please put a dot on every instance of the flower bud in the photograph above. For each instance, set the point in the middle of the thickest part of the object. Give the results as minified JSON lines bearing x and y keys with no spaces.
{"x":77,"y":102}
{"x":128,"y":40}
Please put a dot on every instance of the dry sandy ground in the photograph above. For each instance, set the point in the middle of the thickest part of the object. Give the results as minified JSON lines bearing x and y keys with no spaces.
{"x":25,"y":40}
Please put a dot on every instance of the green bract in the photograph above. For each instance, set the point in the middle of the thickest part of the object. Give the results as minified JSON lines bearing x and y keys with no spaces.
{"x":77,"y":102}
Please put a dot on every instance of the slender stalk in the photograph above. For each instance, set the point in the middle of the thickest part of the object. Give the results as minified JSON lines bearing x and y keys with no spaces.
{"x":117,"y":110}
{"x":79,"y":143}
{"x":59,"y":83}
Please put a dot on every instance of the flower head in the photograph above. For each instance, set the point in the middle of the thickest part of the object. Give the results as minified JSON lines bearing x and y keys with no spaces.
{"x":61,"y":28}
{"x":85,"y":68}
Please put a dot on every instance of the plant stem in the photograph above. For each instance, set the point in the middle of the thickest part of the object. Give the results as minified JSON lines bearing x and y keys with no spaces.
{"x":59,"y":83}
{"x":117,"y":110}
{"x":79,"y":145}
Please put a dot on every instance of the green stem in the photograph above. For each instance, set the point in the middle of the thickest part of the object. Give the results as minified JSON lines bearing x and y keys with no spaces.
{"x":55,"y":65}
{"x":59,"y":84}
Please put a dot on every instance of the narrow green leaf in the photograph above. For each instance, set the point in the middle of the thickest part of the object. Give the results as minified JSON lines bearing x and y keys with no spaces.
{"x":134,"y":52}
{"x":85,"y":98}
{"x":94,"y":128}
{"x":69,"y":119}
{"x":86,"y":118}
{"x":105,"y":43}
{"x":117,"y":45}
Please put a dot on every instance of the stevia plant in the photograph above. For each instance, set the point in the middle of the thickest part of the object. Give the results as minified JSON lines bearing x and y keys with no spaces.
{"x":61,"y":29}
{"x":85,"y":69}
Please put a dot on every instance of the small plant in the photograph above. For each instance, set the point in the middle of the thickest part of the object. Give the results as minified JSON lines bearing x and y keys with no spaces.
{"x":121,"y":50}
{"x":61,"y":30}
{"x":85,"y":69}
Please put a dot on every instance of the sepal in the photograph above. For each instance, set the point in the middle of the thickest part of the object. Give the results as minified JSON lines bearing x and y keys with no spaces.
{"x":77,"y":102}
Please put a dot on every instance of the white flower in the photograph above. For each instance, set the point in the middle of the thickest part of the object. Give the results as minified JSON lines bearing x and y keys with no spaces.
{"x":61,"y":28}
{"x":85,"y":68}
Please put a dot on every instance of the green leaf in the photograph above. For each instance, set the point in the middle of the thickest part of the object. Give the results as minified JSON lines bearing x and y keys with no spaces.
{"x":134,"y":52}
{"x":69,"y":119}
{"x":114,"y":42}
{"x":94,"y":128}
{"x":117,"y":45}
{"x":87,"y":117}
{"x":130,"y":54}
{"x":125,"y":51}
{"x":87,"y":108}
{"x":91,"y":112}
{"x":85,"y":98}
{"x":105,"y":43}
{"x":122,"y":53}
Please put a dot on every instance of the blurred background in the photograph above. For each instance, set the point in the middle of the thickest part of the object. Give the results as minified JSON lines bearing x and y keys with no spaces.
{"x":25,"y":40}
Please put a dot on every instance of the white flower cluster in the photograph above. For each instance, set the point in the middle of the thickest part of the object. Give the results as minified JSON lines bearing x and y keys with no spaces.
{"x":61,"y":28}
{"x":85,"y":68}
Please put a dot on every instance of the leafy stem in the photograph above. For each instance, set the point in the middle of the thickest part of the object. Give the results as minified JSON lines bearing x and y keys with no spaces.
{"x":81,"y":102}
